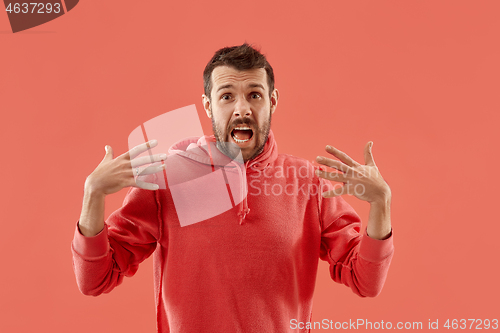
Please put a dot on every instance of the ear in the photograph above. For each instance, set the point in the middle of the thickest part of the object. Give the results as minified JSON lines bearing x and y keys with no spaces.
{"x":274,"y":100}
{"x":206,"y":105}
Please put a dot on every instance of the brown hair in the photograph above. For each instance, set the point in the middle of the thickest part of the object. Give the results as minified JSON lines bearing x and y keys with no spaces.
{"x":243,"y":57}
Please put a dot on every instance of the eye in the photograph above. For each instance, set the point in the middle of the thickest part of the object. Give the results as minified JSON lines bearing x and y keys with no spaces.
{"x":255,"y":95}
{"x":225,"y":97}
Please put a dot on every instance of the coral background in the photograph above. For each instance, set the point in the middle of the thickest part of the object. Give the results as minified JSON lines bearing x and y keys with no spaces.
{"x":419,"y":79}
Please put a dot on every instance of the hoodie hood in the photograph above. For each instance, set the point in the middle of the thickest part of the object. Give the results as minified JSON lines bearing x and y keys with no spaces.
{"x":204,"y":150}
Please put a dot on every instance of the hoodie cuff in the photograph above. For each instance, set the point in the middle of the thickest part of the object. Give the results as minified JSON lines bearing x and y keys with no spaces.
{"x":91,"y":247}
{"x":376,"y":250}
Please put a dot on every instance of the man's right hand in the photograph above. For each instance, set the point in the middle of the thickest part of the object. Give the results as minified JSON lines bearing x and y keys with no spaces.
{"x":112,"y":175}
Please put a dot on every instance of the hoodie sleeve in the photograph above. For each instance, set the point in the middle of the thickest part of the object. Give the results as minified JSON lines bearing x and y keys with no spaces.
{"x":128,"y":238}
{"x":356,"y":260}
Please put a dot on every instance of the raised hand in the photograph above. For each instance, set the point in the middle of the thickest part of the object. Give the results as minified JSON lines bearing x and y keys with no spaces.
{"x":363,"y":181}
{"x":113,"y":174}
{"x":110,"y":176}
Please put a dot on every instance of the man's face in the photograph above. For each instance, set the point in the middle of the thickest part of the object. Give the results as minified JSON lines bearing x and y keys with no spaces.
{"x":240,"y":109}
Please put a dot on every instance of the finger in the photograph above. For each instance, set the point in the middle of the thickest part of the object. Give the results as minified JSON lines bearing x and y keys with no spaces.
{"x":333,"y":164}
{"x":139,"y":149}
{"x":109,"y":153}
{"x":153,"y":168}
{"x":368,"y":154}
{"x":334,"y":176}
{"x":342,"y":156}
{"x":146,"y":186}
{"x":148,"y":159}
{"x":336,"y":192}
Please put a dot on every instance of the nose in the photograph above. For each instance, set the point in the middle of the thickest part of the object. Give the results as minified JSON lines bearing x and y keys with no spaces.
{"x":242,"y":108}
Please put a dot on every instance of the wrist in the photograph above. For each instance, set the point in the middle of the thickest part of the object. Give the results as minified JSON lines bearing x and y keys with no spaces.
{"x":91,"y":220}
{"x":92,"y":191}
{"x":379,"y":220}
{"x":383,"y":201}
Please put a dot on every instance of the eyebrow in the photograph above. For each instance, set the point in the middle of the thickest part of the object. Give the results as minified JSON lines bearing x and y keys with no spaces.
{"x":251,"y":85}
{"x":224,"y":87}
{"x":257,"y":85}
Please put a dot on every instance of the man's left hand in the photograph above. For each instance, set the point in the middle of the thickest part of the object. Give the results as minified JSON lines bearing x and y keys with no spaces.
{"x":363,"y":181}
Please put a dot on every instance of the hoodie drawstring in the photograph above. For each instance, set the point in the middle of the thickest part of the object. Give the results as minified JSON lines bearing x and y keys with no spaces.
{"x":244,"y":210}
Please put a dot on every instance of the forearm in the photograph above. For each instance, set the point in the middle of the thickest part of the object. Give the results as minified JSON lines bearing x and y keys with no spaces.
{"x":379,"y":219}
{"x":358,"y":261}
{"x":92,"y":216}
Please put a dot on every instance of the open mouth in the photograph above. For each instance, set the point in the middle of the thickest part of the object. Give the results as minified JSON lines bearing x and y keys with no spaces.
{"x":242,"y":134}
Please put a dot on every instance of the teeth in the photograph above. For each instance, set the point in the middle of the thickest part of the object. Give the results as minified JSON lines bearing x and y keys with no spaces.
{"x":243,"y":128}
{"x":239,"y":141}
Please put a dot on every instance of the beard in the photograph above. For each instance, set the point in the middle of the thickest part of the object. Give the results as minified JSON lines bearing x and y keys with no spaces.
{"x":232,"y":150}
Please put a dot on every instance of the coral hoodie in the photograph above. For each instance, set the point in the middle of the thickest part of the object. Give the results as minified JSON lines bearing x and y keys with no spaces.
{"x":250,"y":268}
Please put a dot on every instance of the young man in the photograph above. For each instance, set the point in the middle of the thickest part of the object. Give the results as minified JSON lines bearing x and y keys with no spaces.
{"x":253,"y":267}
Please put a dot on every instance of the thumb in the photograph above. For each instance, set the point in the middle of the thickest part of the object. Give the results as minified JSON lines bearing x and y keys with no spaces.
{"x":109,"y":152}
{"x":368,"y":154}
